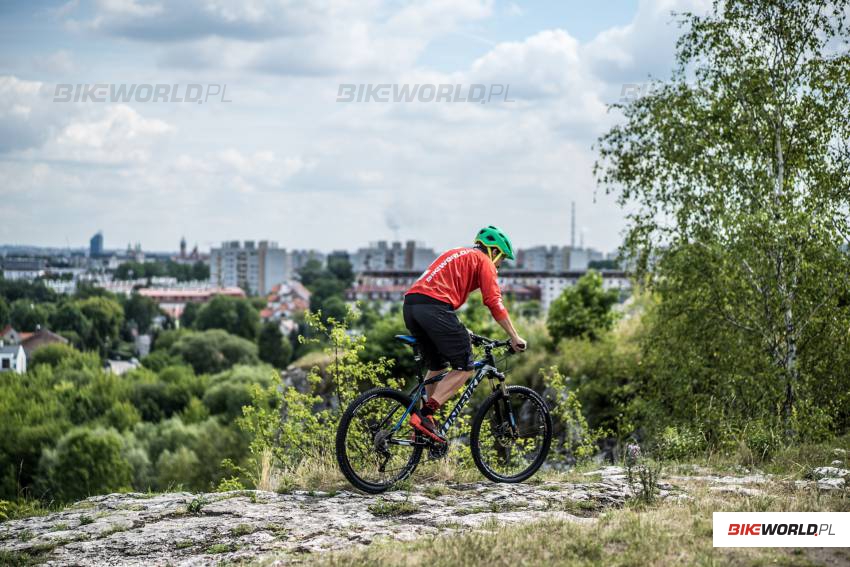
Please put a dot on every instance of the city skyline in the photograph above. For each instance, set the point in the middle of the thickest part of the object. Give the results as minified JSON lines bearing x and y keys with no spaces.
{"x":190,"y":245}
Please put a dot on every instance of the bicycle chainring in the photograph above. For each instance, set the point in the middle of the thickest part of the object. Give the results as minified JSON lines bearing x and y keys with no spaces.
{"x":438,"y":450}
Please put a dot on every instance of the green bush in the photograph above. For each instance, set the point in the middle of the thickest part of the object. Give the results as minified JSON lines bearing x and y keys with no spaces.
{"x":583,"y":310}
{"x":575,"y":437}
{"x":232,"y":314}
{"x":229,"y":391}
{"x":680,"y":443}
{"x":58,"y":355}
{"x":85,"y":462}
{"x":214,"y":351}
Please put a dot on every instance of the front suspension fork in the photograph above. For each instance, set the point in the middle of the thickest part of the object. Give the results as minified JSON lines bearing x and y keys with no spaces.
{"x":504,"y":410}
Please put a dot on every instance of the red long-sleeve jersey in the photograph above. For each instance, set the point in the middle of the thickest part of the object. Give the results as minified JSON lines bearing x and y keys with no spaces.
{"x":457,"y":273}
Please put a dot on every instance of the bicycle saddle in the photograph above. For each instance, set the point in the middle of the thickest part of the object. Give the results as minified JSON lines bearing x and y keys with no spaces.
{"x":406,"y":339}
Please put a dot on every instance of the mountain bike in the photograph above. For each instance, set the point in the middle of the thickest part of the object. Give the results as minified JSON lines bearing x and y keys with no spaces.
{"x":376,"y":446}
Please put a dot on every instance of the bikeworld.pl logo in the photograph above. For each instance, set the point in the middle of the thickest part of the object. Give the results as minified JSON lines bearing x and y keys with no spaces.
{"x":781,"y":529}
{"x":386,"y":92}
{"x":142,"y":92}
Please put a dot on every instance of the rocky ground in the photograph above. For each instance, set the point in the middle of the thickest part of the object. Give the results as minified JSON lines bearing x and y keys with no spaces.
{"x":247,"y":526}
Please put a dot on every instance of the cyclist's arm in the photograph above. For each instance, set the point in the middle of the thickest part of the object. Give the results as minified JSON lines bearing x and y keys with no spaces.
{"x":517,"y":342}
{"x":492,"y":296}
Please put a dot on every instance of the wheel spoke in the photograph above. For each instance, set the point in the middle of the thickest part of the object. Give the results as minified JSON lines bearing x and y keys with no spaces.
{"x":371,"y":457}
{"x":508,"y":452}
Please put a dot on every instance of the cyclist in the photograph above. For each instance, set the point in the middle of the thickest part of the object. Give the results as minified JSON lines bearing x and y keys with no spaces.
{"x":429,"y":314}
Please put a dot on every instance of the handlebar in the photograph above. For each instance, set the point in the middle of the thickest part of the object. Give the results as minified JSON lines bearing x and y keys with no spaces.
{"x":478,"y":340}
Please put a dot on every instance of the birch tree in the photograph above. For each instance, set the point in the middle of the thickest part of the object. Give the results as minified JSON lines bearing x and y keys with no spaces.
{"x":742,"y":161}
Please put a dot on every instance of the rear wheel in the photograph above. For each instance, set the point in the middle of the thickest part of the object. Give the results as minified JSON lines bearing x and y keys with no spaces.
{"x":371,"y":456}
{"x":511,"y":435}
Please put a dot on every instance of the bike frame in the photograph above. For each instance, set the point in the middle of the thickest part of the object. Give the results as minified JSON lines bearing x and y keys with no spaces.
{"x":484,"y":368}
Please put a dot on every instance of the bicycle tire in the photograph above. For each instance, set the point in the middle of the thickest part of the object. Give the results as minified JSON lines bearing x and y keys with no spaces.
{"x":342,"y":456}
{"x":475,"y":436}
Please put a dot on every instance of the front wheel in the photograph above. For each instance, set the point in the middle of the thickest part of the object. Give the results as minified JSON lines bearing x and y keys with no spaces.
{"x":511,"y":435}
{"x":371,"y":453}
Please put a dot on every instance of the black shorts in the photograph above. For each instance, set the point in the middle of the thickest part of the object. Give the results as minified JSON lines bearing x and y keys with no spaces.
{"x":442,"y":338}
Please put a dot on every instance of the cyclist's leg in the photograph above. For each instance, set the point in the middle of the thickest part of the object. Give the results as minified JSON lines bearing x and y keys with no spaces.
{"x":448,"y":386}
{"x":434,"y":361}
{"x":451,"y":339}
{"x":429,"y":388}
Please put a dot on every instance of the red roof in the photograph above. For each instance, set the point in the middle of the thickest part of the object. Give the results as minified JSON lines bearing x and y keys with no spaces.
{"x":176,"y":294}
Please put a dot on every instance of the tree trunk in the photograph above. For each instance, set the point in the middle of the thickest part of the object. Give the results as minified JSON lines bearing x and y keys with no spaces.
{"x":791,"y":374}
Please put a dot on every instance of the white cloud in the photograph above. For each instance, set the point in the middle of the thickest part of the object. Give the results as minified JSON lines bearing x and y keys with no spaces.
{"x":644,"y":46}
{"x":115,"y":134}
{"x":28,"y":117}
{"x":284,"y":156}
{"x":57,"y":62}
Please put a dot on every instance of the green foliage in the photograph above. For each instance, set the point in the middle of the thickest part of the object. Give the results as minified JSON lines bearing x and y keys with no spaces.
{"x":162,"y":395}
{"x":189,"y":315}
{"x":292,"y":425}
{"x":642,"y":472}
{"x":736,"y":171}
{"x":583,"y":310}
{"x":140,"y":311}
{"x":214,"y":350}
{"x":106,"y":317}
{"x":311,"y":272}
{"x":680,"y":443}
{"x":232,"y":314}
{"x":381,"y":342}
{"x":85,"y":462}
{"x":607,"y":373}
{"x":196,"y":505}
{"x":58,"y":355}
{"x":36,"y":292}
{"x":273,"y":347}
{"x":27,"y":316}
{"x":341,"y":269}
{"x":229,"y":391}
{"x":574,"y":434}
{"x":68,"y":318}
{"x":4,"y":313}
{"x":327,"y":286}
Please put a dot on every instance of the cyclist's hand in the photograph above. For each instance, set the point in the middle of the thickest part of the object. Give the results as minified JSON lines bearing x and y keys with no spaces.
{"x":518,"y":344}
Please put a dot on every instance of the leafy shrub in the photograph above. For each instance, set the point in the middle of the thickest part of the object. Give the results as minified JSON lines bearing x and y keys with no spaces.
{"x":576,"y":436}
{"x":292,"y":425}
{"x":680,"y":443}
{"x":583,"y":310}
{"x":84,"y":462}
{"x":229,"y":391}
{"x":214,"y":351}
{"x":58,"y":355}
{"x":232,"y":314}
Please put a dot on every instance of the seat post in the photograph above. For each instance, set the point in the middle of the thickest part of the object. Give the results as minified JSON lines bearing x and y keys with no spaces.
{"x":420,"y":372}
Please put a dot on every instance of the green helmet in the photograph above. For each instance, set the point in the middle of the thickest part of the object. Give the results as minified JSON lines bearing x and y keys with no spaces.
{"x":492,"y":236}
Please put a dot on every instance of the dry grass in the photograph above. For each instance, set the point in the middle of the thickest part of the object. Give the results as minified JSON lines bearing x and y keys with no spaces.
{"x":311,"y":474}
{"x":671,"y":533}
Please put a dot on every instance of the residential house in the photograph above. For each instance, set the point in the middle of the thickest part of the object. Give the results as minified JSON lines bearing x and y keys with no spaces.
{"x":31,"y":341}
{"x":13,"y":358}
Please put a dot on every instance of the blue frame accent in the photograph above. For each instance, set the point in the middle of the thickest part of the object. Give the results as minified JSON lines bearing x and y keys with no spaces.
{"x":409,"y":409}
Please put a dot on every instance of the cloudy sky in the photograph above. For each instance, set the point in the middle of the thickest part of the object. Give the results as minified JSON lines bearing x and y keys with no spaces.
{"x":284,"y":160}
